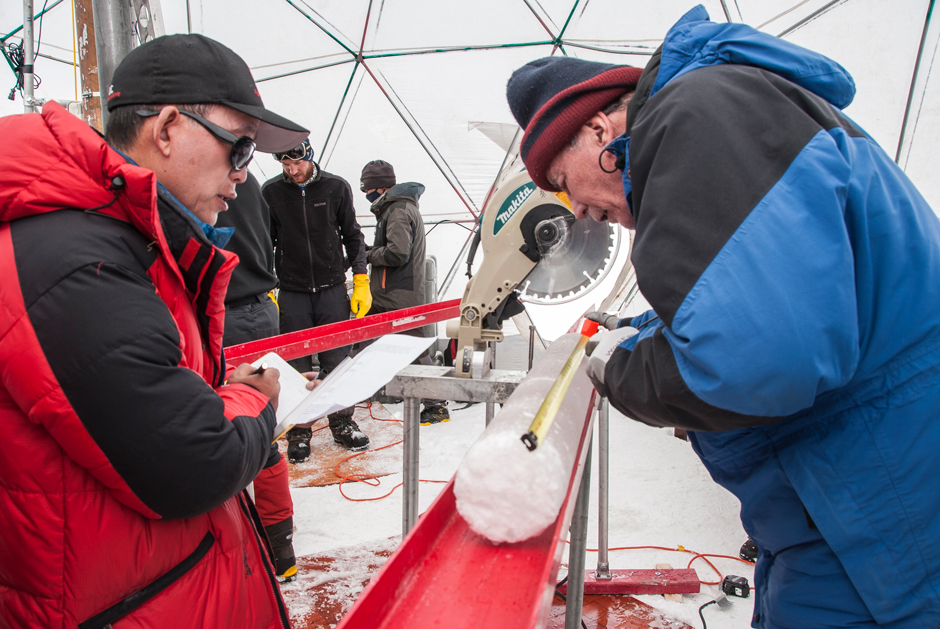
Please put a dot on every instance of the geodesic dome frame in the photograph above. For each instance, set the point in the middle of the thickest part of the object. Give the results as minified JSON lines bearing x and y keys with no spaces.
{"x":421,"y":83}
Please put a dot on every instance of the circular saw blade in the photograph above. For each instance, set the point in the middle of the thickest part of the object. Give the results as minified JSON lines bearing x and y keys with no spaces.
{"x":574,"y":268}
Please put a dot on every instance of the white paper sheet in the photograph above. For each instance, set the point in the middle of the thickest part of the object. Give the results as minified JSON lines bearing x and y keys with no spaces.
{"x":352,"y":381}
{"x":293,"y":384}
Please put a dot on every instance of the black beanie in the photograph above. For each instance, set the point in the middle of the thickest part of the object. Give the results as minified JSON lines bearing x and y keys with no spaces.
{"x":377,"y":174}
{"x":552,"y":97}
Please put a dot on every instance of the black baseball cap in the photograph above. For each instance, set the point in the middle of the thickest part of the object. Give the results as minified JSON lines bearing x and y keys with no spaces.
{"x":191,"y":69}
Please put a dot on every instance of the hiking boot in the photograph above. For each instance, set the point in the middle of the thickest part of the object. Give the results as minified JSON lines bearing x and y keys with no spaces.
{"x":434,"y":414}
{"x":346,"y":432}
{"x":381,"y":398}
{"x":298,"y":444}
{"x":749,"y":551}
{"x":280,"y":536}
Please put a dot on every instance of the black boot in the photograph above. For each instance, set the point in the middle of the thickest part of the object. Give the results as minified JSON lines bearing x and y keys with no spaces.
{"x":749,"y":551}
{"x":298,"y":444}
{"x":280,"y":536}
{"x":346,"y":432}
{"x":434,"y":414}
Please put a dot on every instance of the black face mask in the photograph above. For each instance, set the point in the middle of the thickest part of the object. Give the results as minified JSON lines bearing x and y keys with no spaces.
{"x":373,"y":196}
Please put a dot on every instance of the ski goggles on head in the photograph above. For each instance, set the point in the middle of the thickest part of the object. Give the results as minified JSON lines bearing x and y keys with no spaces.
{"x":243,"y":148}
{"x":296,"y":153}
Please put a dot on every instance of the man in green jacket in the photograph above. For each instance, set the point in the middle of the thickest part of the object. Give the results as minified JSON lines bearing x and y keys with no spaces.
{"x":397,"y":255}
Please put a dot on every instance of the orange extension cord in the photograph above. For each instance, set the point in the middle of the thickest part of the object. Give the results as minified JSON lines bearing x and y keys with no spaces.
{"x":373,"y":481}
{"x":683,"y":549}
{"x":367,"y":478}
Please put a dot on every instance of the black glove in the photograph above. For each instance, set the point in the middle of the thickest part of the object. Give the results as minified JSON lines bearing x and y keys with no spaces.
{"x":609,"y":321}
{"x":599,"y":349}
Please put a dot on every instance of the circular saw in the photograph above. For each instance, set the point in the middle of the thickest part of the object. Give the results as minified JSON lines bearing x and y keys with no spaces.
{"x":581,"y":258}
{"x":534,"y":250}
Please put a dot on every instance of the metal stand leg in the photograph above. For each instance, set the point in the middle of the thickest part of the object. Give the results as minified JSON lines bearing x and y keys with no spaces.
{"x":578,"y":549}
{"x":409,"y":508}
{"x":490,"y":411}
{"x":603,"y":489}
{"x":531,"y":345}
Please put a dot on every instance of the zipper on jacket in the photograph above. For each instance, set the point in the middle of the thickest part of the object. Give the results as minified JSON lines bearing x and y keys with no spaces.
{"x":303,"y":195}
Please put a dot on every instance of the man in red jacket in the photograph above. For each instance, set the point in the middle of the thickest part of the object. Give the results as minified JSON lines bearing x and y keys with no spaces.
{"x":125,"y":440}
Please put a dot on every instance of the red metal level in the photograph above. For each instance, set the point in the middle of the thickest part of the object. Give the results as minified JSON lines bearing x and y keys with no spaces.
{"x":313,"y":340}
{"x":445,"y":575}
{"x":658,"y":581}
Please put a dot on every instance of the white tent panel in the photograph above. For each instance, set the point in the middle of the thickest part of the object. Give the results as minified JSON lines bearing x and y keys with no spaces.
{"x":374,"y":130}
{"x":443,"y":93}
{"x":860,"y":35}
{"x":611,"y":23}
{"x":310,"y":99}
{"x":923,"y":166}
{"x":451,"y":23}
{"x":774,"y":17}
{"x":269,"y":32}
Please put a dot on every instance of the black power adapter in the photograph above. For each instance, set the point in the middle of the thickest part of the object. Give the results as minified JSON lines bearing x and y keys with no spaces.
{"x":733,"y":585}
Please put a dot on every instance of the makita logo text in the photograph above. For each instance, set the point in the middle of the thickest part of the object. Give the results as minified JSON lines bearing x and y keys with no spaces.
{"x":511,"y":205}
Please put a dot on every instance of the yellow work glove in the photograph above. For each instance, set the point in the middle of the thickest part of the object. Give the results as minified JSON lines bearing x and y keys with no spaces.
{"x":361,"y":299}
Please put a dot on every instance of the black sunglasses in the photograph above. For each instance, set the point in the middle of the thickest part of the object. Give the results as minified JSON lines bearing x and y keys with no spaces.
{"x":243,"y":148}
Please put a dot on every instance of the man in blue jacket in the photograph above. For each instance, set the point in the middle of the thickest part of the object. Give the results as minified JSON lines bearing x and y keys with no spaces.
{"x":794,"y":273}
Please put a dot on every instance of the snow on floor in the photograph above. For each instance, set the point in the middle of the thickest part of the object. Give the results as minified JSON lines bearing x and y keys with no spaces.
{"x":660,"y":495}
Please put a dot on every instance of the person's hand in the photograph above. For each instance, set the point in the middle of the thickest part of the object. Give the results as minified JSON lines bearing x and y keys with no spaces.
{"x":266,"y":383}
{"x":599,"y":349}
{"x":361,"y":299}
{"x":609,"y":321}
{"x":312,"y":383}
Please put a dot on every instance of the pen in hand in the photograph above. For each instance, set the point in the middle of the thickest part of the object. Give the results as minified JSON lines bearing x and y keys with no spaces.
{"x":260,"y":370}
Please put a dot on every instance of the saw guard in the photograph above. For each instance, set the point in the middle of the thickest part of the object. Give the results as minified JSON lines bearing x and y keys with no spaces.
{"x":516,"y":217}
{"x":574,"y":267}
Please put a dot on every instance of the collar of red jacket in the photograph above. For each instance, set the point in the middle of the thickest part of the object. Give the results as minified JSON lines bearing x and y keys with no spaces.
{"x":55,"y":161}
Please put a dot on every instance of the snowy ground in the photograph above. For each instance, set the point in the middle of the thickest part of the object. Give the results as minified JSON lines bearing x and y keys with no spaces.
{"x":661,"y":495}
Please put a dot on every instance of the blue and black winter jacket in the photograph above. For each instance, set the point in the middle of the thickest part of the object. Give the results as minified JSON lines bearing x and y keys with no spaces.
{"x":795,"y":272}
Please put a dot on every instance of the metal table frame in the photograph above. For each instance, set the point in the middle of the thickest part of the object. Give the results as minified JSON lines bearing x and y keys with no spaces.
{"x":417,"y":382}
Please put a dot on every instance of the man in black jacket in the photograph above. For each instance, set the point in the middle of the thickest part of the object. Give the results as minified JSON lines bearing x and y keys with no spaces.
{"x":312,"y":222}
{"x":251,"y":314}
{"x":250,"y":311}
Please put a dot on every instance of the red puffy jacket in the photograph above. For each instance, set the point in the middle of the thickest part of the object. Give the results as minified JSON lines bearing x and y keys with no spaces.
{"x":123,"y":456}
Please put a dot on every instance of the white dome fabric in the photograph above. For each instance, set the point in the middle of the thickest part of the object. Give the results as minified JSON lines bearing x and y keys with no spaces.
{"x":421,"y":83}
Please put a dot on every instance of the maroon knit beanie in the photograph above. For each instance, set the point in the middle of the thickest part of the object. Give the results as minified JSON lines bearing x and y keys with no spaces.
{"x":552,"y":97}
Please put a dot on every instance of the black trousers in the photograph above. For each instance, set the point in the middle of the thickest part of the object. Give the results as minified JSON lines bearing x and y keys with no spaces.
{"x":300,"y":311}
{"x":250,"y":322}
{"x":423,"y":359}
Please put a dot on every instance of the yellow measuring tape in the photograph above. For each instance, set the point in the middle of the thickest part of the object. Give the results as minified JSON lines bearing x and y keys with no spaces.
{"x":546,"y":415}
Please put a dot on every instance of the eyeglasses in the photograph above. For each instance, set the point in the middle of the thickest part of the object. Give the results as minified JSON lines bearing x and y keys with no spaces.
{"x":243,"y":148}
{"x":298,"y":152}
